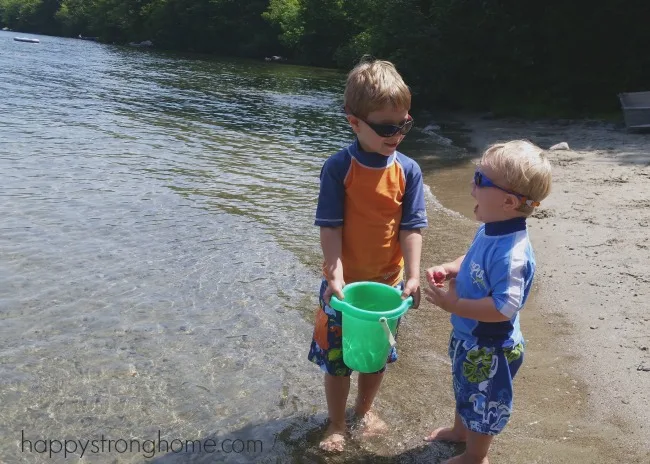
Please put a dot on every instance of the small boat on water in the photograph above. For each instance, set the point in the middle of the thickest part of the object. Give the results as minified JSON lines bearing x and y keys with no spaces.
{"x":636,"y":110}
{"x":26,"y":39}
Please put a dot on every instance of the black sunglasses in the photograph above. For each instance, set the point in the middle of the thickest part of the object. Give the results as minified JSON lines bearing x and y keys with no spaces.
{"x":389,"y":130}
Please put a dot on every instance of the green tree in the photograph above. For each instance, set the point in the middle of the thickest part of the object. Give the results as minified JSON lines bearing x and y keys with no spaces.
{"x":30,"y":15}
{"x":286,"y":16}
{"x":501,"y":54}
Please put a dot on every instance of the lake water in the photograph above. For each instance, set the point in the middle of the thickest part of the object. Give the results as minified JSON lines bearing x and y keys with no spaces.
{"x":158,"y":259}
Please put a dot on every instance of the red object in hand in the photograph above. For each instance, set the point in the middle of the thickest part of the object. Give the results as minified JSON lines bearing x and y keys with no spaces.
{"x":438,"y":277}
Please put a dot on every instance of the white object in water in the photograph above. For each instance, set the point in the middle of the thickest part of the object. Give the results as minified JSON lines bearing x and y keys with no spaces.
{"x":26,"y":39}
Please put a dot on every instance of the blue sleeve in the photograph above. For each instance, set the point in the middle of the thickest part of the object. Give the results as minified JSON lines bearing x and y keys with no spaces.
{"x":414,"y":211}
{"x":510,"y":273}
{"x":329,"y":212}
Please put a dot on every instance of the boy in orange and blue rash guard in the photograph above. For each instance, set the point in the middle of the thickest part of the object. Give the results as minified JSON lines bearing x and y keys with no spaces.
{"x":370,"y":211}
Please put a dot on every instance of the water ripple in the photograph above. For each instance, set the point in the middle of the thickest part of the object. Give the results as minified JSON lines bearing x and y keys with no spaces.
{"x":153,"y":207}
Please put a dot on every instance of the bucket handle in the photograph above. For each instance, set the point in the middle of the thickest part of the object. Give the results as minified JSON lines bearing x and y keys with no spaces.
{"x":384,"y":323}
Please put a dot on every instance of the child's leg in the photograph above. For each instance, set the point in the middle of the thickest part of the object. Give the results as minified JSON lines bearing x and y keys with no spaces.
{"x":457,"y":433}
{"x":326,"y":351}
{"x":337,"y":389}
{"x":368,"y":387}
{"x":368,"y":423}
{"x":483,"y":378}
{"x":476,"y":451}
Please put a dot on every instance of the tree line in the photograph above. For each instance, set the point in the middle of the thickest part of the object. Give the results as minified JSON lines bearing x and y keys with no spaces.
{"x":503,"y":55}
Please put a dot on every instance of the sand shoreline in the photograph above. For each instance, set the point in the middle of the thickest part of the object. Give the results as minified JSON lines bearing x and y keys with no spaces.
{"x":579,"y":398}
{"x":592,"y":241}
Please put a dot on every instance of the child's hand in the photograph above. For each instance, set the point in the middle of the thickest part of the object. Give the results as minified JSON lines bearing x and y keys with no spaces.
{"x":334,"y":287}
{"x":412,"y":288}
{"x":446,"y":300}
{"x":436,"y":276}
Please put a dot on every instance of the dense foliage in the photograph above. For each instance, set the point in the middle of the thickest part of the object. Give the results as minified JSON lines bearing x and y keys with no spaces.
{"x":571,"y":55}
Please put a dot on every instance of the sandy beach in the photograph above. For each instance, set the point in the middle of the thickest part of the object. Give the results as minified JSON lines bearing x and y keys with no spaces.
{"x":585,"y":392}
{"x":581,"y":395}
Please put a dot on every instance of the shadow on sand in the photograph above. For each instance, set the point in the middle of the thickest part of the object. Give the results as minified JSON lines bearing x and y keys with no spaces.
{"x":295,"y":440}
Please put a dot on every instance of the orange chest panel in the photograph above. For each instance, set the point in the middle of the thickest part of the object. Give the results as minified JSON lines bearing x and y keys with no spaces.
{"x":375,"y":193}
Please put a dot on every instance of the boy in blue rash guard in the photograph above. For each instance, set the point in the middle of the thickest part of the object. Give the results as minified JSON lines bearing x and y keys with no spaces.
{"x":488,"y":286}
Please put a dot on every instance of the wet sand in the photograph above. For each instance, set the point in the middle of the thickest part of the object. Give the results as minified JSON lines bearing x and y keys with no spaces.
{"x":582,"y":393}
{"x":579,"y":396}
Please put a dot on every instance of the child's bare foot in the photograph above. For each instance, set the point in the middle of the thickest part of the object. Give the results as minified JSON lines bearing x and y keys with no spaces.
{"x":447,"y":434}
{"x":334,"y":439}
{"x":369,"y":425}
{"x":464,"y":459}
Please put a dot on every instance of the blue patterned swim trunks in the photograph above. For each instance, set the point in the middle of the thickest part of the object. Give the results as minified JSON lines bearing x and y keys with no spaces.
{"x":327,"y":344}
{"x":482,"y":379}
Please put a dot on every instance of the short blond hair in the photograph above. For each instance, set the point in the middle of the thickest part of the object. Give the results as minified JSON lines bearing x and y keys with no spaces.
{"x":524,"y":167}
{"x":374,"y":85}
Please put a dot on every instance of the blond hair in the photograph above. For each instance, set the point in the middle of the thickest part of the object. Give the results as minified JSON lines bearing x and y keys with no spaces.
{"x":374,"y":85}
{"x":524,"y":167}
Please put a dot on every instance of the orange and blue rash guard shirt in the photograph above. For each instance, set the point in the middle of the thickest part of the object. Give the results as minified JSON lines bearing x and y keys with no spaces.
{"x":373,"y":197}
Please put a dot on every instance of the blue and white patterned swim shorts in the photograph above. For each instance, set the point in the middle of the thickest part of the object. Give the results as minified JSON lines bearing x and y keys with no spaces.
{"x":483,"y":384}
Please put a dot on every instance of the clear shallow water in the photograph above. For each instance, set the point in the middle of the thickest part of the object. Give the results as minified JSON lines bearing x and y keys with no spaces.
{"x":158,"y":263}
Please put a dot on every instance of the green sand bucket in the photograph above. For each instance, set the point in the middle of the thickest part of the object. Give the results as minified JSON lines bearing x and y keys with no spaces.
{"x":370,"y":312}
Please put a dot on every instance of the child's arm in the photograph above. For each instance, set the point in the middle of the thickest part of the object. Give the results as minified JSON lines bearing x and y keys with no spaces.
{"x":453,"y":267}
{"x":414,"y":218}
{"x":483,"y":310}
{"x":329,"y":217}
{"x":437,"y":275}
{"x":331,"y":241}
{"x":411,"y":243}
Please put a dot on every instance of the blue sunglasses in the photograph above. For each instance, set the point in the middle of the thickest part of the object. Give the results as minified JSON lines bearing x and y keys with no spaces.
{"x":481,"y":180}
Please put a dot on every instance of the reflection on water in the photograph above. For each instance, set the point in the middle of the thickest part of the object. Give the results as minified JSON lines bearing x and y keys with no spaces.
{"x":158,"y":262}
